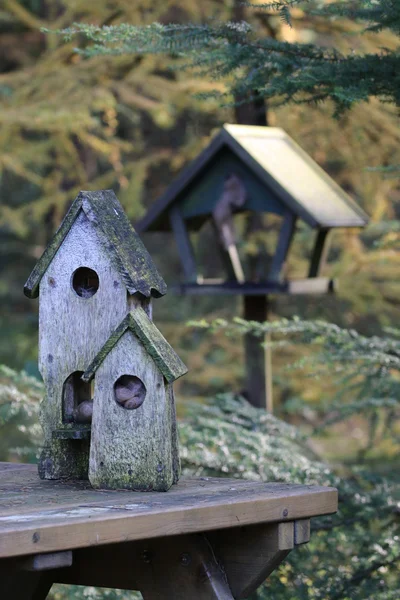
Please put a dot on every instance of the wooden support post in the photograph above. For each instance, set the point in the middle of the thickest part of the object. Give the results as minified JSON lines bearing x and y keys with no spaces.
{"x":258,"y":383}
{"x":19,"y":584}
{"x":319,"y":253}
{"x":285,"y":238}
{"x":184,"y":244}
{"x":250,"y":554}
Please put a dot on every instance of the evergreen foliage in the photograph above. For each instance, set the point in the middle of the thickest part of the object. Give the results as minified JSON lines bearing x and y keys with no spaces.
{"x":363,"y":370}
{"x":268,"y":67}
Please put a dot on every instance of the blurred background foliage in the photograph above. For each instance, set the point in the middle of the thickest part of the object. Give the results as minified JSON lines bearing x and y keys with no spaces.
{"x":131,"y":123}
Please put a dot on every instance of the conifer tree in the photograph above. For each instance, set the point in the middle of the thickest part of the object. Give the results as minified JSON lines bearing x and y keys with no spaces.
{"x":290,"y":72}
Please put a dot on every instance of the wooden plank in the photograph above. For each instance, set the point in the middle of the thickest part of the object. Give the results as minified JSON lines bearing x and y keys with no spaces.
{"x":285,"y":239}
{"x":319,"y":253}
{"x":185,"y":248}
{"x":14,"y":467}
{"x":317,"y":285}
{"x":49,"y":516}
{"x":250,"y":554}
{"x":258,"y":388}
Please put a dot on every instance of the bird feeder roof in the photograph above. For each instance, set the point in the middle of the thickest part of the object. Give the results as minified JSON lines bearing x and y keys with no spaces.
{"x":152,"y":339}
{"x":125,"y":248}
{"x":283,"y":176}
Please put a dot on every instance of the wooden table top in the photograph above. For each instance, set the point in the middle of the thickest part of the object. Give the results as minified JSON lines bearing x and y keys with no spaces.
{"x":46,"y":516}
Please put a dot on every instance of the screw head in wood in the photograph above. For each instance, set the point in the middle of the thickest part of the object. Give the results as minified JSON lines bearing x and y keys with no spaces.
{"x":147,"y":556}
{"x":185,"y":559}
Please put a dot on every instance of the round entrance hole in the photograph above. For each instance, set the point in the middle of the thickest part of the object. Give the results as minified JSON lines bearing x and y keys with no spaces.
{"x":85,"y":282}
{"x":129,"y":391}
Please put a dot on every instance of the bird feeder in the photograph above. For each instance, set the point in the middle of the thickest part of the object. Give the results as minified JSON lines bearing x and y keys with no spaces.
{"x":108,"y":413}
{"x":260,"y":170}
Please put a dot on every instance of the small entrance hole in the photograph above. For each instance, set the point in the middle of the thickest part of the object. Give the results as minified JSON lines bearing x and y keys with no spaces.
{"x":77,"y":399}
{"x":129,"y":392}
{"x":85,"y":282}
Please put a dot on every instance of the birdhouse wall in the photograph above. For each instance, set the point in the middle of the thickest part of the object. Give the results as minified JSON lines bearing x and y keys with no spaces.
{"x":73,"y":328}
{"x":133,"y":449}
{"x":202,"y":195}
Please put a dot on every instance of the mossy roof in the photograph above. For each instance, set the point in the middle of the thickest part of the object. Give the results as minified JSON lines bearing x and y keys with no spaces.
{"x":153,"y":341}
{"x":124,"y":246}
{"x":281,"y":167}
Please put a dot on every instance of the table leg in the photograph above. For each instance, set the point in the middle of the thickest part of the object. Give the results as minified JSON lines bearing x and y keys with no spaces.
{"x":17,"y":584}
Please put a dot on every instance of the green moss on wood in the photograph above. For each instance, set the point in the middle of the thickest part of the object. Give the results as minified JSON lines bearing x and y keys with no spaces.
{"x":152,"y":339}
{"x":64,"y":459}
{"x":124,"y":247}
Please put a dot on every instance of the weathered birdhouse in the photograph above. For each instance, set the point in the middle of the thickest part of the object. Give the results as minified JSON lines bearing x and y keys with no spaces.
{"x":108,"y":413}
{"x":252,"y":169}
{"x":255,"y":170}
{"x":134,"y":439}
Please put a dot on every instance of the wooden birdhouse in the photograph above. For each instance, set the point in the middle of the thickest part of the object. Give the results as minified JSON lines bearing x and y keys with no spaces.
{"x":134,"y":439}
{"x":95,"y":282}
{"x":255,"y":170}
{"x":260,"y":170}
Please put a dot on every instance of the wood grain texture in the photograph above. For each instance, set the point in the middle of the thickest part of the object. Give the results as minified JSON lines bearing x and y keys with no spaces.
{"x":72,"y":330}
{"x":157,"y":347}
{"x":125,"y":249}
{"x":249,"y":554}
{"x":131,"y":449}
{"x":302,"y":531}
{"x":49,"y":516}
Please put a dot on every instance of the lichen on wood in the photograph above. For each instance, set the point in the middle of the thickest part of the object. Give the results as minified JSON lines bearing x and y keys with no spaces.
{"x":123,"y":245}
{"x":132,"y":449}
{"x":164,"y":356}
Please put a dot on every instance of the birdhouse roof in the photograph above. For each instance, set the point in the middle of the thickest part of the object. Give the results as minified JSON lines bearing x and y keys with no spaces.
{"x":125,"y":248}
{"x":152,"y":339}
{"x":287,"y":174}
